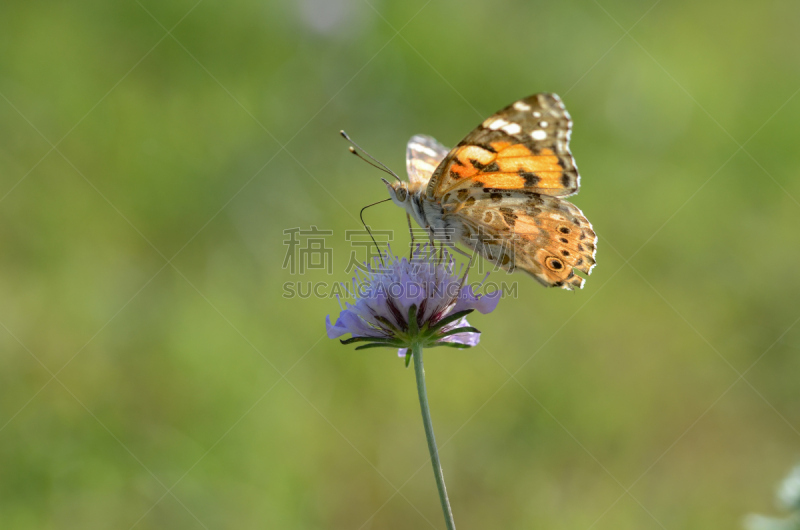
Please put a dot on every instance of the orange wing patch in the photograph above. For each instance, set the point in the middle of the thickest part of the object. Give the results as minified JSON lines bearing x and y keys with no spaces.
{"x":541,"y":171}
{"x":520,"y":157}
{"x":505,"y":166}
{"x":469,"y":159}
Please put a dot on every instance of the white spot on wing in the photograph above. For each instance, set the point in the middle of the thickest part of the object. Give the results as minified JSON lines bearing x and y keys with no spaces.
{"x":496,"y":124}
{"x":538,"y":134}
{"x":537,"y":114}
{"x":542,"y":123}
{"x":520,"y":105}
{"x":423,"y":149}
{"x":512,"y":128}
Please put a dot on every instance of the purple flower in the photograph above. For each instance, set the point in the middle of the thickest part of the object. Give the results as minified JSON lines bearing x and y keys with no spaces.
{"x":404,"y":301}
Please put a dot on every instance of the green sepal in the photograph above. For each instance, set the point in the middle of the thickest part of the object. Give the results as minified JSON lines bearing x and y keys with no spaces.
{"x":379,"y":345}
{"x":456,"y":331}
{"x":386,"y":322}
{"x":413,"y":325}
{"x":366,"y":339}
{"x":449,"y":320}
{"x":408,"y":357}
{"x":456,"y":345}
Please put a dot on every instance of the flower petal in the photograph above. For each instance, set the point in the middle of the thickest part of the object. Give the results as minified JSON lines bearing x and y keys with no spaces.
{"x":470,"y":339}
{"x":334,"y":332}
{"x":485,"y":303}
{"x":349,"y":322}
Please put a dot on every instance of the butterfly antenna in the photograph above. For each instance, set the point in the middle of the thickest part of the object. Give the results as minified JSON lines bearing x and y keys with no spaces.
{"x":361,"y":216}
{"x":377,"y":164}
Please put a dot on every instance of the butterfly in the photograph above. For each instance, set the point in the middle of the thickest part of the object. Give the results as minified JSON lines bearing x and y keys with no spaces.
{"x":500,"y":192}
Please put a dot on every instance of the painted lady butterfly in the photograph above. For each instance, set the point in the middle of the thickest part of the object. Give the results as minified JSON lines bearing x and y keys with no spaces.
{"x":500,"y":192}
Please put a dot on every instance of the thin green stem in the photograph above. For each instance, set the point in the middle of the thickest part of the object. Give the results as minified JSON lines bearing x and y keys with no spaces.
{"x":419,"y":370}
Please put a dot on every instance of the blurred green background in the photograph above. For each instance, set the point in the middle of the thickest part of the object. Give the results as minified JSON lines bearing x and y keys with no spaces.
{"x":153,"y":376}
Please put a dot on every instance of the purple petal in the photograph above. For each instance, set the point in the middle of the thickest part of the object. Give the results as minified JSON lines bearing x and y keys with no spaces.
{"x":349,"y":322}
{"x":468,"y":338}
{"x":484,"y":303}
{"x":334,"y":332}
{"x":407,"y":290}
{"x":487,"y":302}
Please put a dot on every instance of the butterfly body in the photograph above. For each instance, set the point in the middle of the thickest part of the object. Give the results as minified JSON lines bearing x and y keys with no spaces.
{"x":500,"y":192}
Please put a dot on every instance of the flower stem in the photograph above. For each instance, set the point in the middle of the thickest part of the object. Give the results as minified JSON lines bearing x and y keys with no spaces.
{"x":426,"y":420}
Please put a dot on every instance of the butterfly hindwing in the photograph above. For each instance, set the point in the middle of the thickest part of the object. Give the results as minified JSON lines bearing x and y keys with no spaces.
{"x":523,"y":146}
{"x":423,"y":155}
{"x":545,"y":236}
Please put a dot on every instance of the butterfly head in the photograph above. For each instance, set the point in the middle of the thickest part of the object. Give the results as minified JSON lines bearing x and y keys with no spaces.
{"x":398,"y":192}
{"x":407,"y":198}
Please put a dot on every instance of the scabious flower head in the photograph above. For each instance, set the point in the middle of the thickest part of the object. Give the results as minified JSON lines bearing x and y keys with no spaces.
{"x":402,"y":301}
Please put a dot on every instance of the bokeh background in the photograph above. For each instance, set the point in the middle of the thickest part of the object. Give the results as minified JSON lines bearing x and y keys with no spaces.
{"x":153,"y":375}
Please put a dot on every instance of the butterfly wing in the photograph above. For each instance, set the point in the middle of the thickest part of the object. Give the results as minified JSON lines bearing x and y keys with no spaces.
{"x":523,"y":146}
{"x":423,"y":155}
{"x":545,"y":236}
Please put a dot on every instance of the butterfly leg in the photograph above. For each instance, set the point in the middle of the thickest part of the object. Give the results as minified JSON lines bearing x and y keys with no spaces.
{"x":469,"y":263}
{"x":410,"y":233}
{"x":432,"y":242}
{"x":459,"y":251}
{"x":442,"y":242}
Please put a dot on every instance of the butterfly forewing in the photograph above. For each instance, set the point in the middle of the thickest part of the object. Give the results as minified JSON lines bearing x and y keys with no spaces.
{"x":523,"y":146}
